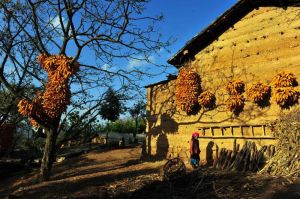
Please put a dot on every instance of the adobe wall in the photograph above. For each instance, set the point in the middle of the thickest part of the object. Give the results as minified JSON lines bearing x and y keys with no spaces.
{"x":263,"y":43}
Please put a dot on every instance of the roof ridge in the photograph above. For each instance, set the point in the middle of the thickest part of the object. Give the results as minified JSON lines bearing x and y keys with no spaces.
{"x":226,"y":20}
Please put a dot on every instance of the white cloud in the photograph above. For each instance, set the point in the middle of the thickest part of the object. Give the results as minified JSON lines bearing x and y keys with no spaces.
{"x":56,"y":25}
{"x":108,"y":67}
{"x":9,"y":69}
{"x":140,"y":62}
{"x":56,"y":22}
{"x":105,"y":67}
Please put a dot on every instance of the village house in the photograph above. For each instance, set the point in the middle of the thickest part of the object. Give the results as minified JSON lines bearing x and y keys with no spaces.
{"x":251,"y":42}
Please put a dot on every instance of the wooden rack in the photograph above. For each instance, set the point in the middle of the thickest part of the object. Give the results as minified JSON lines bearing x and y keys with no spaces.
{"x":241,"y":135}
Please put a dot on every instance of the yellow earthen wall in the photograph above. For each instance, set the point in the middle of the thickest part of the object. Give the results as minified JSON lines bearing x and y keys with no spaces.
{"x":263,"y":43}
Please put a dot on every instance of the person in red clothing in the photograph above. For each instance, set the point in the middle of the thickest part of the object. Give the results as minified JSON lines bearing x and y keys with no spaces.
{"x":195,"y":150}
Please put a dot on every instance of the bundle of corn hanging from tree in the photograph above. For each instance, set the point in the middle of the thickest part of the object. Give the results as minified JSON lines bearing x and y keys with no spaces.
{"x":235,"y":87}
{"x":207,"y":99}
{"x":235,"y":103}
{"x":284,"y":79}
{"x":33,"y":108}
{"x":285,"y":96}
{"x":188,"y":88}
{"x":25,"y":108}
{"x":56,"y":97}
{"x":258,"y":92}
{"x":33,"y":123}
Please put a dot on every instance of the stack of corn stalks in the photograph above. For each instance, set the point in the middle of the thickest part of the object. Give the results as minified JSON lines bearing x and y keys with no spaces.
{"x":286,"y":161}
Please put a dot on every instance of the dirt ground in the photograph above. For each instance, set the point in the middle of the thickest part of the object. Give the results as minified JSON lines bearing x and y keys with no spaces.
{"x":120,"y":173}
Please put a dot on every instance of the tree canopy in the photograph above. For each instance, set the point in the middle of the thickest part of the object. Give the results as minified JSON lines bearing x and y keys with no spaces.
{"x":111,"y":106}
{"x":98,"y":35}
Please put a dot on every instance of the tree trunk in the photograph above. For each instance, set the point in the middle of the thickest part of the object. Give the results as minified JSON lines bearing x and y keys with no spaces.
{"x":106,"y":142}
{"x":136,"y":130}
{"x":49,"y":154}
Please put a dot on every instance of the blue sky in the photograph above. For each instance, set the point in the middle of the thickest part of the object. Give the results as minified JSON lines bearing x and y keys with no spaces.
{"x":183,"y":20}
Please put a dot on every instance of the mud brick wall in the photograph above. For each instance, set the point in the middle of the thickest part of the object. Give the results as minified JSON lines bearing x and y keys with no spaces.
{"x":263,"y":43}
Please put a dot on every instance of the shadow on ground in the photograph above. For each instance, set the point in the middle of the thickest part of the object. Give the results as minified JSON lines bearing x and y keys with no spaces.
{"x":80,"y":175}
{"x":120,"y":174}
{"x":217,"y":184}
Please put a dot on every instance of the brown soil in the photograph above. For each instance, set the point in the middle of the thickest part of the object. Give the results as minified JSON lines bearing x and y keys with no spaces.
{"x":120,"y":173}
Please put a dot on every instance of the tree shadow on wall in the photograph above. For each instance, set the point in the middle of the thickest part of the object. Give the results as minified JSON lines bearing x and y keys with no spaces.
{"x":167,"y":126}
{"x":162,"y":147}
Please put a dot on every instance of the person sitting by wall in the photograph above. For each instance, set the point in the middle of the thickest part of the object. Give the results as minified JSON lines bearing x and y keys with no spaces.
{"x":122,"y":143}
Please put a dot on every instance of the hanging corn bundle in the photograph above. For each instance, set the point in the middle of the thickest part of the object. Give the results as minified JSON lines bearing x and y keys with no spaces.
{"x":188,"y":88}
{"x":56,"y":99}
{"x":284,"y":94}
{"x":25,"y":107}
{"x":258,"y":92}
{"x":284,"y":79}
{"x":235,"y":103}
{"x":50,"y":104}
{"x":235,"y":87}
{"x":207,"y":100}
{"x":285,"y":97}
{"x":34,"y":123}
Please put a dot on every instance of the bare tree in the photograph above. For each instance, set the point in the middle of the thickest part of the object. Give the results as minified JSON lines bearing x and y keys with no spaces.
{"x":109,"y":31}
{"x":137,"y":111}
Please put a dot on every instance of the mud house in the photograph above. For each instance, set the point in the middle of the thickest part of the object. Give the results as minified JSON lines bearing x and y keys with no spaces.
{"x":253,"y":41}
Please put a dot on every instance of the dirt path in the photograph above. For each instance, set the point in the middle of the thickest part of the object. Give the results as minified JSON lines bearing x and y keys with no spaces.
{"x":120,"y":174}
{"x":84,"y":175}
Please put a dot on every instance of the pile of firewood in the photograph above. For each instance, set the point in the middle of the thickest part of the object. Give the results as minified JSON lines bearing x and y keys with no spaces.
{"x":249,"y":158}
{"x":286,"y":160}
{"x":173,"y":169}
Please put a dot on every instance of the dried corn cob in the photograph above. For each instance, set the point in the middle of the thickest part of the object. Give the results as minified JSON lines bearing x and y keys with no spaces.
{"x":235,"y":103}
{"x":258,"y":92}
{"x":235,"y":87}
{"x":284,"y":79}
{"x":285,"y":97}
{"x":207,"y":99}
{"x":188,"y":88}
